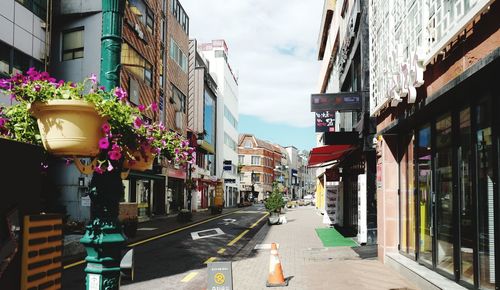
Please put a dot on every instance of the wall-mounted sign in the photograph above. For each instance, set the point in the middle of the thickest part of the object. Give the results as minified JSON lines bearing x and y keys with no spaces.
{"x":325,"y":121}
{"x":229,"y":180}
{"x":227,"y":167}
{"x":336,"y":102}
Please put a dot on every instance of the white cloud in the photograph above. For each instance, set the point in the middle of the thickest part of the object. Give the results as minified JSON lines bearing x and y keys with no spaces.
{"x":273,"y":48}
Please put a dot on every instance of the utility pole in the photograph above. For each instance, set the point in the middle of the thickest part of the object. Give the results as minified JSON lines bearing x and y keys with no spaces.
{"x":103,"y":239}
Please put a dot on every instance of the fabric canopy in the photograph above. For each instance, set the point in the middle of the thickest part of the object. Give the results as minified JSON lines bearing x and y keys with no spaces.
{"x":328,"y":153}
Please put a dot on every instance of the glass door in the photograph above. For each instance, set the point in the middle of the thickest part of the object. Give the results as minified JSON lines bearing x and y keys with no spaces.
{"x":466,"y":198}
{"x":485,"y":194}
{"x":444,"y":194}
{"x":425,"y":198}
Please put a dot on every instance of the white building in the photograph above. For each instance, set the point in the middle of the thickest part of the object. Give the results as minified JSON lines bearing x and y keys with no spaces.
{"x":216,"y":53}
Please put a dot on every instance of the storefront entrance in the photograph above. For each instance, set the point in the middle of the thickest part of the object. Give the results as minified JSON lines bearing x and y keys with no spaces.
{"x":448,"y":174}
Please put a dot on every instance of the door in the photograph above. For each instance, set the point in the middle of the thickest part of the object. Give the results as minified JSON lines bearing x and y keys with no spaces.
{"x":425,"y":195}
{"x":444,"y":194}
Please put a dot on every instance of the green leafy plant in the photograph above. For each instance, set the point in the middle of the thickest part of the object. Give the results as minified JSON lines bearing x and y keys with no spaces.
{"x":275,"y":202}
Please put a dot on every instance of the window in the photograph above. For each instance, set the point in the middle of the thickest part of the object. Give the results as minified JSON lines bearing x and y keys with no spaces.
{"x":230,"y":118}
{"x":241,"y":159}
{"x":20,"y":62}
{"x":248,"y":144}
{"x":179,"y":98}
{"x":72,"y":44}
{"x":150,"y":22}
{"x":229,"y":141}
{"x":180,"y":15}
{"x":38,"y":7}
{"x":177,"y":55}
{"x":255,"y":160}
{"x":4,"y":59}
{"x":209,"y":118}
{"x":135,"y":63}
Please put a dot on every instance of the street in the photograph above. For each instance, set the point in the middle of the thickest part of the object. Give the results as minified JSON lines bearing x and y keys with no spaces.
{"x":179,"y":258}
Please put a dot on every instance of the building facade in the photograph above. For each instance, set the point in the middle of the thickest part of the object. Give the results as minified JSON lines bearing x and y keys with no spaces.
{"x":345,"y":129}
{"x":153,"y":70}
{"x":216,"y":53}
{"x":258,"y":160}
{"x":434,"y":67}
{"x":202,"y":109}
{"x":24,"y":37}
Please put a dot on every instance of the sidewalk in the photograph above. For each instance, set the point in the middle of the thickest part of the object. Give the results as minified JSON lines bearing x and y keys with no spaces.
{"x":308,"y":264}
{"x":73,"y":250}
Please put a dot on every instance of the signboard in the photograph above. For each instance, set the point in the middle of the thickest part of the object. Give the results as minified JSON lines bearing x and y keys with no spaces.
{"x":229,"y":180}
{"x":336,"y":102}
{"x":227,"y":162}
{"x":227,"y":167}
{"x":85,"y":200}
{"x":325,"y":121}
{"x":220,"y":276}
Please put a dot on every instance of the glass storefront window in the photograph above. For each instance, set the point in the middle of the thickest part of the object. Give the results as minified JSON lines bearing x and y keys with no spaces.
{"x":424,"y":181}
{"x":444,"y":194}
{"x":407,"y":197}
{"x":485,"y":194}
{"x":466,"y":198}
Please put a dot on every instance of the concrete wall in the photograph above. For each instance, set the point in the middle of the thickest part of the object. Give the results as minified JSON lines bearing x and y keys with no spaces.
{"x":77,"y":69}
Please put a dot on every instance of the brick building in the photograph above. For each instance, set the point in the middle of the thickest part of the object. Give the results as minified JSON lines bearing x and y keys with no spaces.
{"x":438,"y":139}
{"x":257,"y":160}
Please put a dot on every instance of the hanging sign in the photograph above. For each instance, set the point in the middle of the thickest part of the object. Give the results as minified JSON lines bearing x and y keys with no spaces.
{"x":348,"y":101}
{"x":325,"y":121}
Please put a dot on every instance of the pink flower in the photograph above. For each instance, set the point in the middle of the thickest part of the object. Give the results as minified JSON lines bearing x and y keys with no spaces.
{"x":106,"y":128}
{"x":102,"y":88}
{"x":116,"y":147}
{"x":121,"y":94}
{"x":141,"y":108}
{"x":138,"y":122}
{"x":99,"y":170}
{"x":93,"y":78}
{"x":110,"y":166}
{"x":154,"y":107}
{"x":114,"y":155}
{"x":2,"y":122}
{"x":104,"y":143}
{"x":37,"y":88}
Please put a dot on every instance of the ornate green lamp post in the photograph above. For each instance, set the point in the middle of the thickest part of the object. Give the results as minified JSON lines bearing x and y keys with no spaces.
{"x":103,"y":239}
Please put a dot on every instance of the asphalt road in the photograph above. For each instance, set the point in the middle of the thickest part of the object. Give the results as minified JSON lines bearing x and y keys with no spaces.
{"x":177,"y":260}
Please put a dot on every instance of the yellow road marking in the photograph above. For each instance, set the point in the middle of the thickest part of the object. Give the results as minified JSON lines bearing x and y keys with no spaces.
{"x":238,"y":238}
{"x":176,"y":231}
{"x":209,"y":260}
{"x":221,"y":250}
{"x":257,"y":222}
{"x":189,"y":277}
{"x":158,"y":237}
{"x":74,"y":264}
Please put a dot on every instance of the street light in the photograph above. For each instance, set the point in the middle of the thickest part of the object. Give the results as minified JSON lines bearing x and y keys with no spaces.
{"x":103,"y":239}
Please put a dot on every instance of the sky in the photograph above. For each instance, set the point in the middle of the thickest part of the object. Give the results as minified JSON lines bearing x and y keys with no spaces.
{"x":272,"y":47}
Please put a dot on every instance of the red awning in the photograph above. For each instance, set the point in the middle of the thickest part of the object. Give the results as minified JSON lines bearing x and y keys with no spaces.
{"x":328,"y":153}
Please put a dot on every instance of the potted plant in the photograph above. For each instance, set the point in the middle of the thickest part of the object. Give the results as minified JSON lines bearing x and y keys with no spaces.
{"x":118,"y":133}
{"x":274,"y":204}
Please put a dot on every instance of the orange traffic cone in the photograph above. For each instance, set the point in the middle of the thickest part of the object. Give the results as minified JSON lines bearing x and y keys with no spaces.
{"x":276,"y":277}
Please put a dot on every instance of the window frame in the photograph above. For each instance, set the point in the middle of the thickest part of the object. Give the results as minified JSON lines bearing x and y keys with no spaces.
{"x":73,"y":50}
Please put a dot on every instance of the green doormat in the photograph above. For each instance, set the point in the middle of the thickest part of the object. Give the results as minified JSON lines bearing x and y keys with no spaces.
{"x":331,"y":238}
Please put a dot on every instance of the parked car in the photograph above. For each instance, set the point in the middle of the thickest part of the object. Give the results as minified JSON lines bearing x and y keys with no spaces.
{"x":308,"y":199}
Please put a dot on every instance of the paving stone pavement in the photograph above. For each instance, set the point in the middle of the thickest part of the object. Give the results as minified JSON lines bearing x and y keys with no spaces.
{"x":307,"y":263}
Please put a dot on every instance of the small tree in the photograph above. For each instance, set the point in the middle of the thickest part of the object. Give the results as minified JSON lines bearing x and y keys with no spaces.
{"x":275,"y":201}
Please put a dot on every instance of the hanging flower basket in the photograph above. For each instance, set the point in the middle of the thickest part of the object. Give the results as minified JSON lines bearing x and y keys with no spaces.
{"x":68,"y":127}
{"x":142,"y":162}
